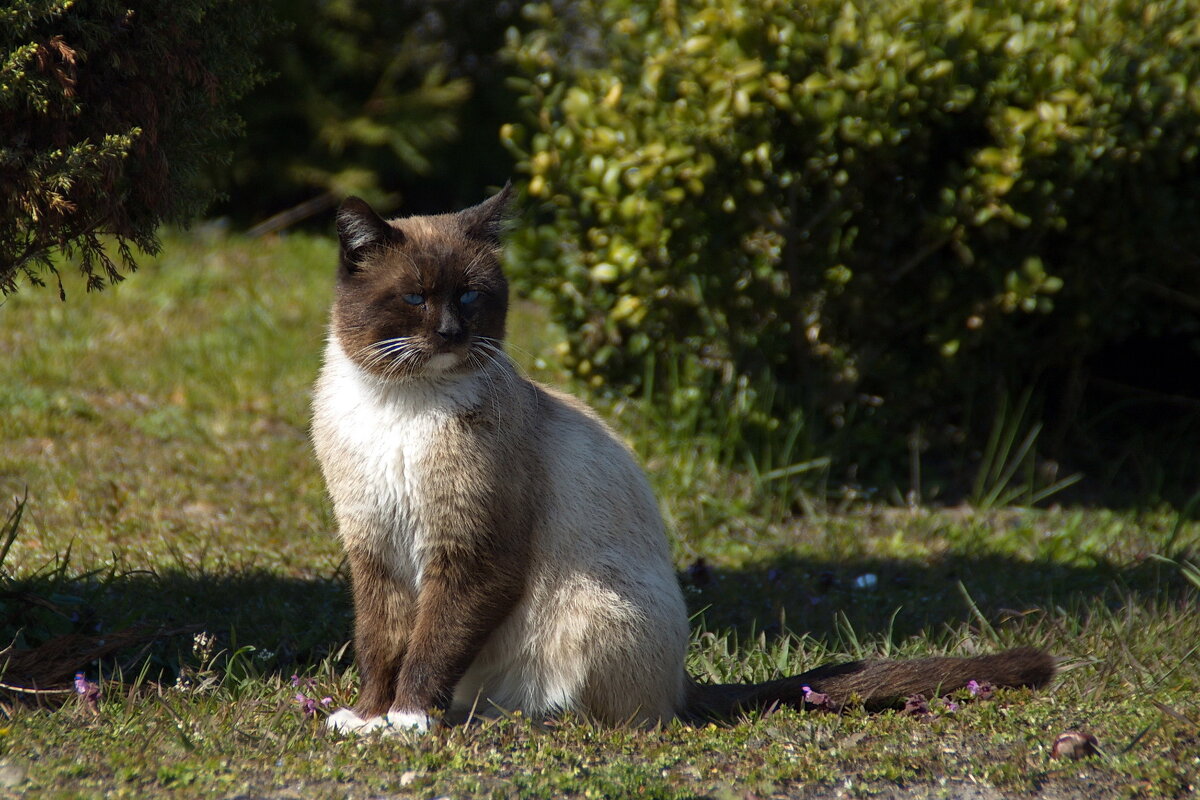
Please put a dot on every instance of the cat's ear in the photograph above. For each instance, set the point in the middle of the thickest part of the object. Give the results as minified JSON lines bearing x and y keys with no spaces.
{"x":360,"y":230}
{"x":485,"y":221}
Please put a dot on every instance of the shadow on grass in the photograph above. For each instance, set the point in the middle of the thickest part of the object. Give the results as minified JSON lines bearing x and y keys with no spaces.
{"x":293,"y":623}
{"x":279,"y":624}
{"x":895,"y":598}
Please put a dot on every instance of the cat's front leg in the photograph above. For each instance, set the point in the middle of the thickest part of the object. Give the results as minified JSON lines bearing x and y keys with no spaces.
{"x":463,"y":598}
{"x":383,"y":617}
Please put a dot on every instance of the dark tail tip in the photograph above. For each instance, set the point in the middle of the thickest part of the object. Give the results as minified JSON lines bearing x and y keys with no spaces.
{"x":877,"y":684}
{"x":1021,"y":666}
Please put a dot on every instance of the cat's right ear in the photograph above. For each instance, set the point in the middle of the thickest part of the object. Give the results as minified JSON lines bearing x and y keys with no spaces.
{"x":360,"y":230}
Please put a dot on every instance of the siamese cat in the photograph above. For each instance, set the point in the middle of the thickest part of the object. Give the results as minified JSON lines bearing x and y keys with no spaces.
{"x":505,"y":548}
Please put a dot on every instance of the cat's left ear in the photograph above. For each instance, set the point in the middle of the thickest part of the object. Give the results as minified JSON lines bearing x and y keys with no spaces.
{"x":485,"y":221}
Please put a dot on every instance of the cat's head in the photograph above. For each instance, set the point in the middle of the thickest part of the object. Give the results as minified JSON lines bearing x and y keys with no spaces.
{"x":420,"y":296}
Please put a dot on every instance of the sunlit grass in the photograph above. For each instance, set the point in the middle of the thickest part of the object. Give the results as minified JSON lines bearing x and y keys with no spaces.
{"x":159,"y":430}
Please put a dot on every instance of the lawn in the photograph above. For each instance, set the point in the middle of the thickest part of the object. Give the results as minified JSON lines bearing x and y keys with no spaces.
{"x":154,"y":439}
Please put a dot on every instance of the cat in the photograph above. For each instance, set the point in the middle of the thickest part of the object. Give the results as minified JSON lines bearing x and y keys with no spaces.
{"x":505,"y":548}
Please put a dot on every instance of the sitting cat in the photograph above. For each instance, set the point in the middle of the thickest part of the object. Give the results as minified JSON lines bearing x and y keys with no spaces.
{"x":504,"y":546}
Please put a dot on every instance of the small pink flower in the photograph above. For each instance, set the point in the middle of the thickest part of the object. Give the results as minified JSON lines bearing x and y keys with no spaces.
{"x":89,"y":693}
{"x":309,"y":705}
{"x":981,"y":691}
{"x":818,"y":700}
{"x":299,"y":682}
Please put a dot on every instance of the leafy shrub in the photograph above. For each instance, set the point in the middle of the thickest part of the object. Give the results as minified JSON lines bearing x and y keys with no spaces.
{"x":111,"y":111}
{"x":877,"y":212}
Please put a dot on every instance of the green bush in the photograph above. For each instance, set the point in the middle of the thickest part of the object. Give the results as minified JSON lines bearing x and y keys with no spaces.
{"x":110,"y":114}
{"x":882,"y":213}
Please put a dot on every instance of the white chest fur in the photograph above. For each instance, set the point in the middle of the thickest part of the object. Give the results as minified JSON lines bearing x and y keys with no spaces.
{"x":372,"y":439}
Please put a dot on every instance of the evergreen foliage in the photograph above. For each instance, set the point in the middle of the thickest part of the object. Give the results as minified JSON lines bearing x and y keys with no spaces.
{"x":111,"y":113}
{"x":377,"y":98}
{"x":883,"y":213}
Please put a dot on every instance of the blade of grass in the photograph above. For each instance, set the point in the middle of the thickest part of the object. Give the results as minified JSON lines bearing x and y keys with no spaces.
{"x":8,"y":532}
{"x":984,"y":625}
{"x":795,"y":469}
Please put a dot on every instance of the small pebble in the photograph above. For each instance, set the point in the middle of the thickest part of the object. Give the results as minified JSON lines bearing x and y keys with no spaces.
{"x":12,"y":775}
{"x":1075,"y":745}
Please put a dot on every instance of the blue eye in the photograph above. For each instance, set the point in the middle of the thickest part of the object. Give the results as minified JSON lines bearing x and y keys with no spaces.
{"x":414,"y":299}
{"x":469,"y":297}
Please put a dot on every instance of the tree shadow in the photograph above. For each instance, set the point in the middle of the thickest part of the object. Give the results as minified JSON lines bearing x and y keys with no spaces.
{"x":288,"y":625}
{"x":278,"y":623}
{"x":894,"y":599}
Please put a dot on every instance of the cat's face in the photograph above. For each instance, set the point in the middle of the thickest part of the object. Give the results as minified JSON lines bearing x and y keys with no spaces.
{"x":420,"y":296}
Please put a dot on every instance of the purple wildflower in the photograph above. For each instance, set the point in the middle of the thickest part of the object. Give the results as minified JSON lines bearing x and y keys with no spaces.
{"x":981,"y":691}
{"x":309,"y":705}
{"x":89,"y":693}
{"x":951,"y":706}
{"x":299,"y":682}
{"x":818,"y":700}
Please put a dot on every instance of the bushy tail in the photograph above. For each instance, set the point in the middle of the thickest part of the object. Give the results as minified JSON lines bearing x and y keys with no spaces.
{"x":875,"y":684}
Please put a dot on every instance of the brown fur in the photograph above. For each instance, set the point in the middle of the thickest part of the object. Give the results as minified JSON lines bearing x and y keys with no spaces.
{"x":383,"y":620}
{"x":474,"y":576}
{"x":438,"y":258}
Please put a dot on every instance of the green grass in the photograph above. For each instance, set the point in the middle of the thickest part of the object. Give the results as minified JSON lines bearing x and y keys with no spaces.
{"x":159,"y":430}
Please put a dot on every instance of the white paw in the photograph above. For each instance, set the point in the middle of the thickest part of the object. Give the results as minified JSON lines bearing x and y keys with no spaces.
{"x":408,"y":721}
{"x":344,"y":720}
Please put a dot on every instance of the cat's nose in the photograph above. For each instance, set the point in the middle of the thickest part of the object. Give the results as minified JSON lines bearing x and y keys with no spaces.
{"x":450,"y":329}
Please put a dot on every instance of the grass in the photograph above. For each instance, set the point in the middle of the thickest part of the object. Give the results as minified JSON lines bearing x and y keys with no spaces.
{"x":158,"y":434}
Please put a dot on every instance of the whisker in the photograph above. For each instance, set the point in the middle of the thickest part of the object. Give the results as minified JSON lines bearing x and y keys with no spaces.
{"x":383,"y":356}
{"x":511,"y":379}
{"x":498,"y":347}
{"x":376,"y":357}
{"x":385,"y":343}
{"x":478,"y":257}
{"x":473,"y":354}
{"x":500,"y":359}
{"x":381,"y":349}
{"x":398,"y":355}
{"x":488,"y":344}
{"x":403,"y":362}
{"x":492,"y":346}
{"x":503,"y":345}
